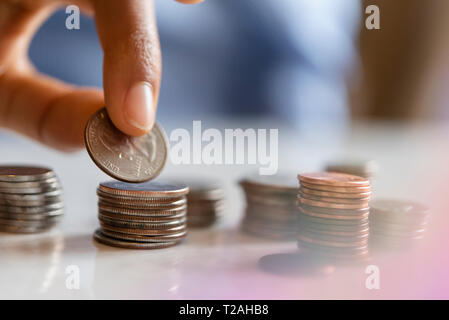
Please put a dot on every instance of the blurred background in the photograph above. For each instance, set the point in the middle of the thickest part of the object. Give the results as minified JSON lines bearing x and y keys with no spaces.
{"x":301,"y":62}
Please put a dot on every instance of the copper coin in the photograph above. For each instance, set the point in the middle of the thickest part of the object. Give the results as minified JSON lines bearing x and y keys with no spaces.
{"x":333,"y":200}
{"x":320,"y":187}
{"x":335,"y":238}
{"x":357,"y":244}
{"x":322,"y":204}
{"x":330,"y":194}
{"x":342,"y":212}
{"x":152,"y":189}
{"x":333,"y":220}
{"x":125,"y":158}
{"x":335,"y":230}
{"x":102,"y":238}
{"x":333,"y":179}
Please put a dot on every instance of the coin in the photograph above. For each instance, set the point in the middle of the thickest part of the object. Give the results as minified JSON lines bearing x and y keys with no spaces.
{"x":330,"y":205}
{"x":24,"y":173}
{"x":148,"y":212}
{"x":334,"y":215}
{"x":148,"y":232}
{"x":351,"y":190}
{"x":100,"y":237}
{"x":330,"y":194}
{"x":331,"y":199}
{"x":125,"y":158}
{"x":366,"y":169}
{"x":141,"y":218}
{"x":397,"y":223}
{"x":271,"y":206}
{"x":157,"y":225}
{"x":137,"y":238}
{"x":333,"y":179}
{"x":205,"y":203}
{"x":133,"y":215}
{"x":152,"y":189}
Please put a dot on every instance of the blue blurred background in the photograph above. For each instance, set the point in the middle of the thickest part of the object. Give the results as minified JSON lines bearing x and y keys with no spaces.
{"x":287,"y":60}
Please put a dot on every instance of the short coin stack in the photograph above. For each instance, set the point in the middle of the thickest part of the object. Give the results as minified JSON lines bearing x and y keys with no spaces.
{"x":365,"y":169}
{"x":397,"y":224}
{"x":30,"y":199}
{"x":333,"y":214}
{"x":148,"y":215}
{"x":205,"y":203}
{"x":271,"y":207}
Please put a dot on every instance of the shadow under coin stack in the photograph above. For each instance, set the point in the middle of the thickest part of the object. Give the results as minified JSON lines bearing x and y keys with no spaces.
{"x":30,"y":199}
{"x":148,"y":215}
{"x":333,"y":216}
{"x":397,"y":224}
{"x":205,"y":203}
{"x":271,"y":207}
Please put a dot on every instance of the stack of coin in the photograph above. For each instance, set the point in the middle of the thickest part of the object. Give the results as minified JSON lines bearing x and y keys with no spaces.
{"x":271,"y":207}
{"x":148,"y":215}
{"x":30,"y":199}
{"x":365,"y":169}
{"x":397,"y":224}
{"x":333,"y":215}
{"x":205,"y":203}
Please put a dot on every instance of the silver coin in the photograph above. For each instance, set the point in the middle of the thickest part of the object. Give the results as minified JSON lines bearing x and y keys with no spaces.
{"x":32,"y":197}
{"x":100,"y":237}
{"x":31,"y":184}
{"x":18,"y":229}
{"x":24,"y":173}
{"x":31,"y":216}
{"x":150,"y":212}
{"x":152,"y":189}
{"x":142,"y":204}
{"x":30,"y":223}
{"x":133,"y":218}
{"x":158,"y":200}
{"x":30,"y":203}
{"x":126,"y":158}
{"x":33,"y":209}
{"x":39,"y":190}
{"x":141,"y":225}
{"x":137,"y":238}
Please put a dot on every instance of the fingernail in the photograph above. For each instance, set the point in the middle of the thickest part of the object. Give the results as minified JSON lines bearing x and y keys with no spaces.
{"x":139,"y":106}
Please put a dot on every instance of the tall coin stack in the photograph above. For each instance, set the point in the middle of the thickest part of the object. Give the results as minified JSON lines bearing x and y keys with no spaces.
{"x":271,"y":207}
{"x":333,"y":215}
{"x":205,"y":203}
{"x":148,"y":215}
{"x":30,"y":199}
{"x":397,"y":224}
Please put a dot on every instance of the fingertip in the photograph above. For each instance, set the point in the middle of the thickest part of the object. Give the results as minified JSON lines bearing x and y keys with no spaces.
{"x":136,"y":116}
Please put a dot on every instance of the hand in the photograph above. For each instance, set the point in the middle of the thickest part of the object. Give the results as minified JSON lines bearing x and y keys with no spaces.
{"x":56,"y":113}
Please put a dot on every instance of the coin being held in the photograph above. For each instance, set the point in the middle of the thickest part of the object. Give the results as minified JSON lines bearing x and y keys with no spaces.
{"x":126,"y":158}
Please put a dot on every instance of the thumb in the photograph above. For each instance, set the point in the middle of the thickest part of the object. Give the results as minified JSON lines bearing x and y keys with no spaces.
{"x":132,"y":62}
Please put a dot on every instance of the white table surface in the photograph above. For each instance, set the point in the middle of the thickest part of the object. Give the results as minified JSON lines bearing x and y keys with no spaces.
{"x":221,"y":262}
